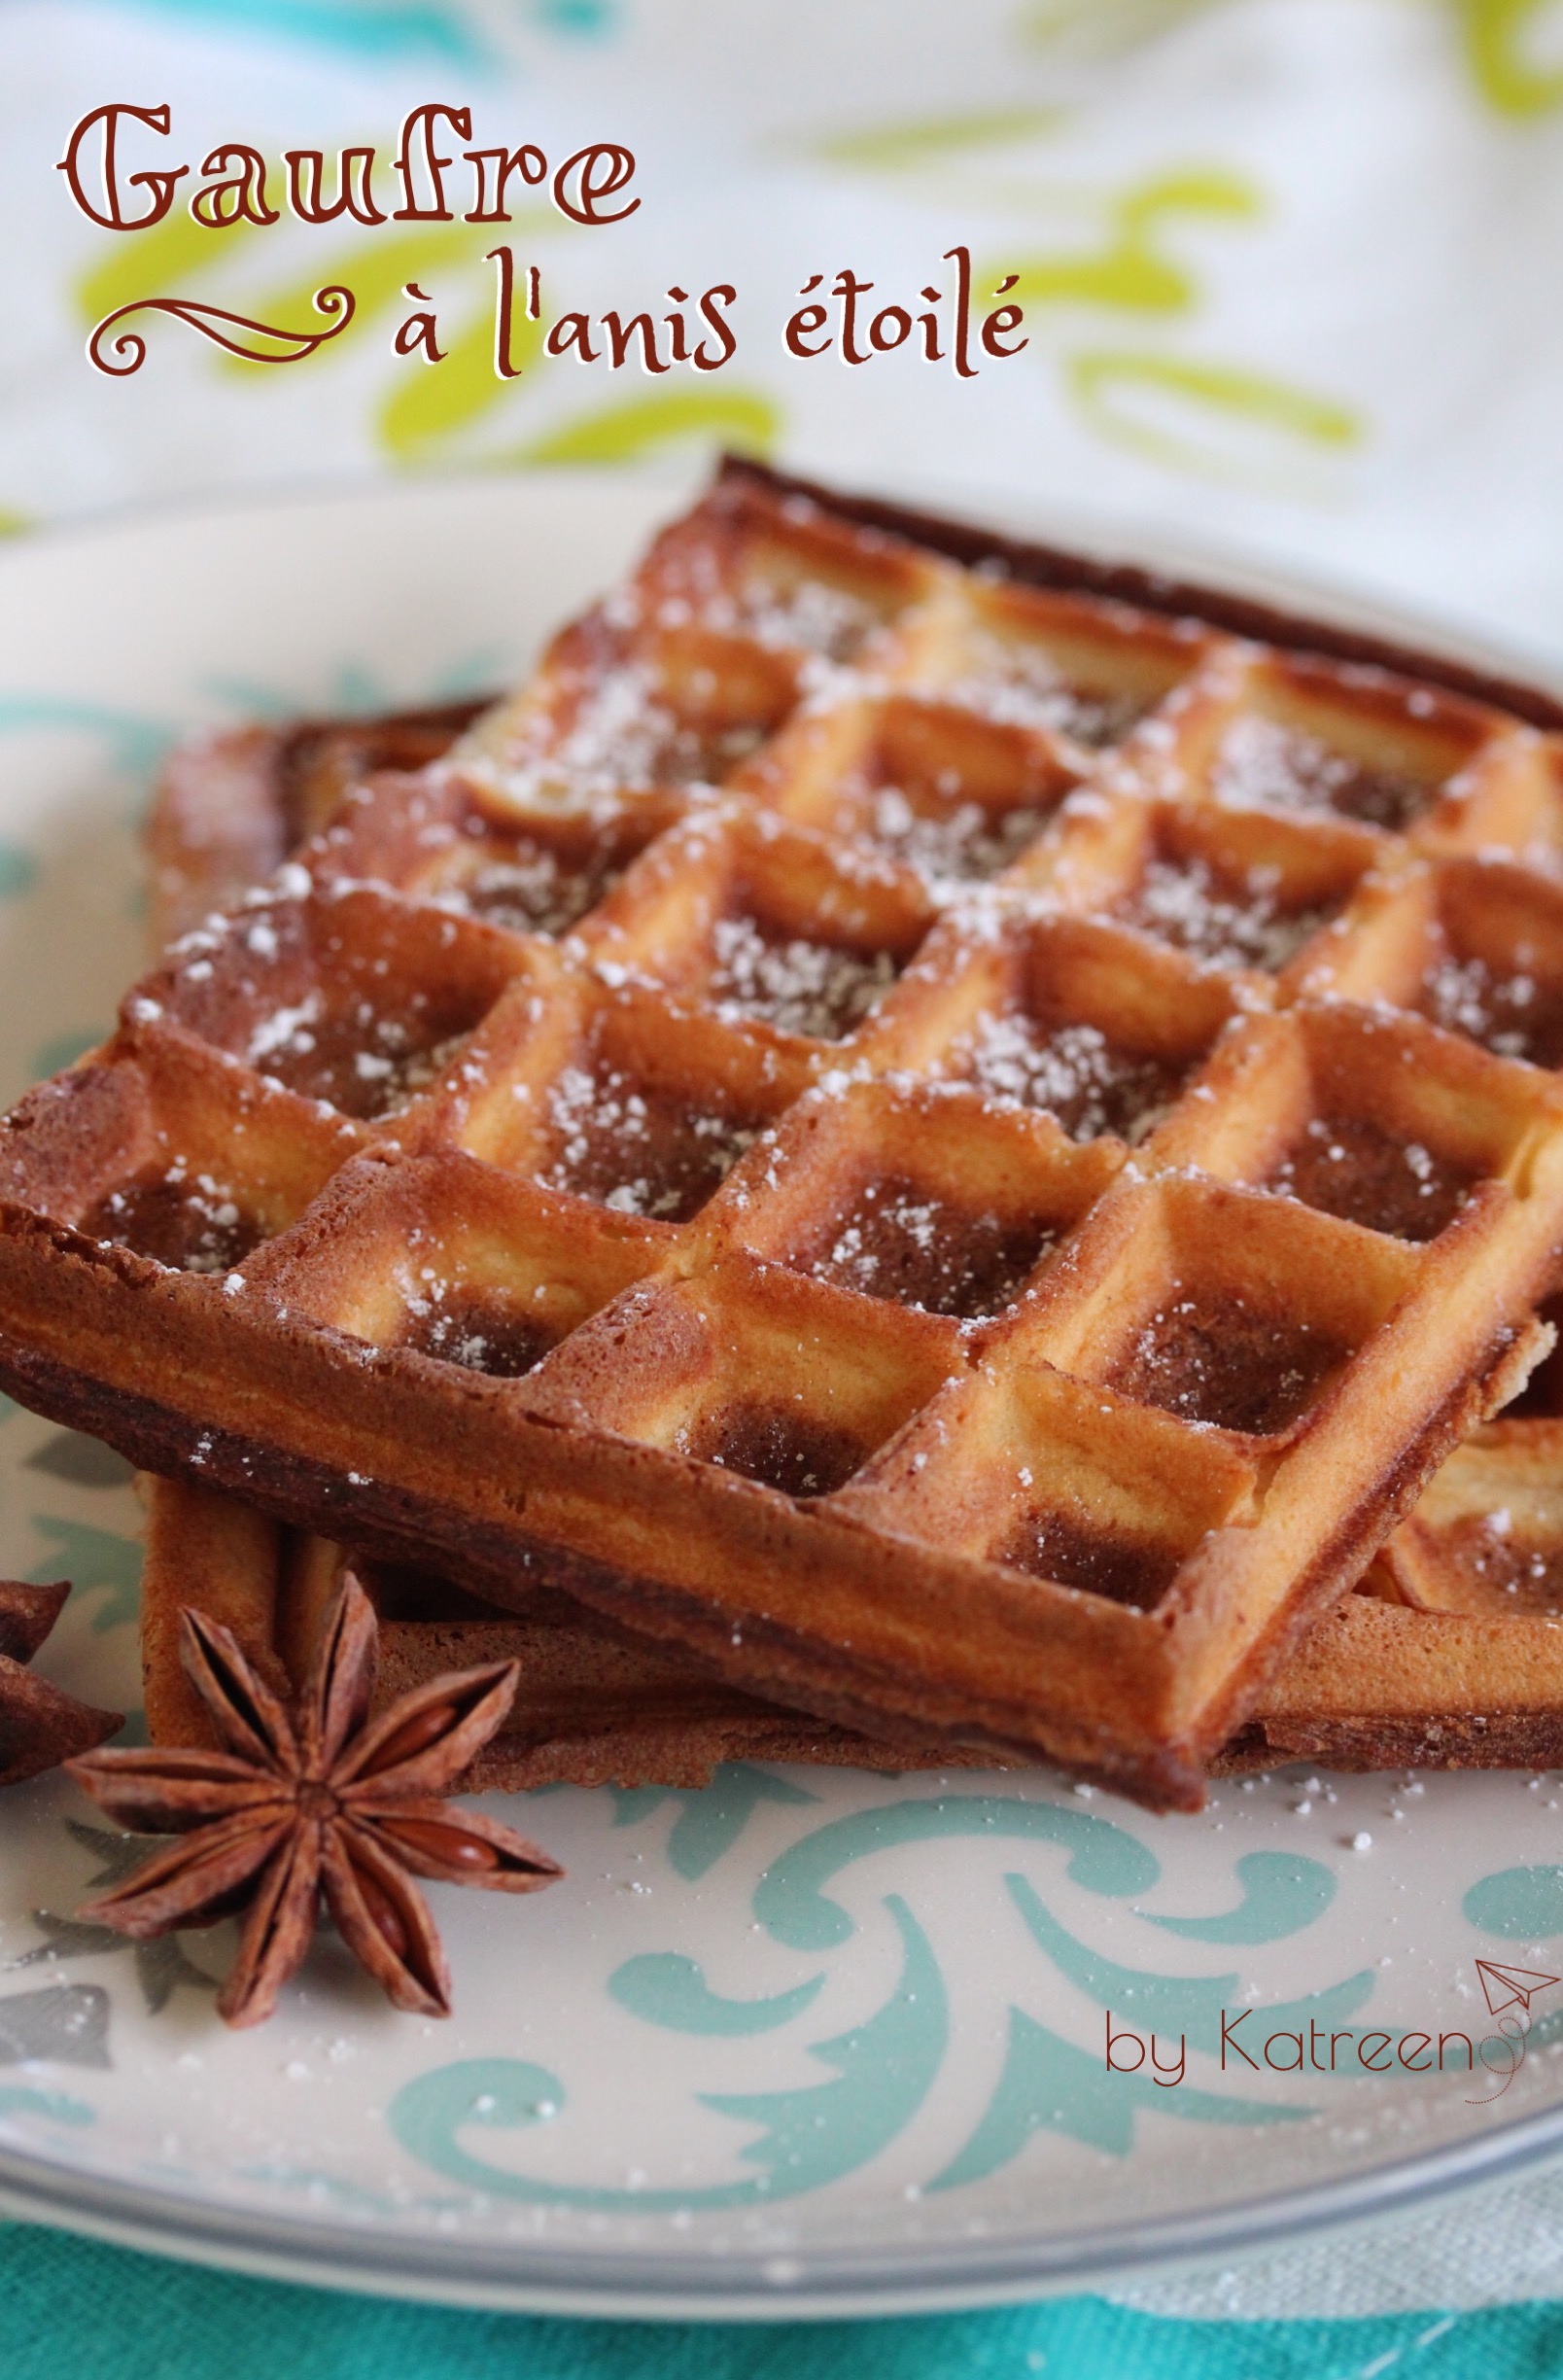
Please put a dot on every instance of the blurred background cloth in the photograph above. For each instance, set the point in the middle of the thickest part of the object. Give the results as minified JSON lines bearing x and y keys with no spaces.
{"x":1291,"y":276}
{"x":1290,"y":267}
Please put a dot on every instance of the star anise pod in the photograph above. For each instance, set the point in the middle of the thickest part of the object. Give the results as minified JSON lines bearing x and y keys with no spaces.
{"x":39,"y":1725}
{"x":313,"y":1803}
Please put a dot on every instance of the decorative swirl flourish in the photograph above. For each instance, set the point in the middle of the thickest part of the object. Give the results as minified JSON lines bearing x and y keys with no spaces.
{"x":791,"y":1900}
{"x":1282,"y":1893}
{"x":336,"y":302}
{"x":810,"y":2135}
{"x":667,"y":1989}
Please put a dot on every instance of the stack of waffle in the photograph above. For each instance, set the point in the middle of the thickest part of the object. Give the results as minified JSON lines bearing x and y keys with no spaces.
{"x":903,"y":1159}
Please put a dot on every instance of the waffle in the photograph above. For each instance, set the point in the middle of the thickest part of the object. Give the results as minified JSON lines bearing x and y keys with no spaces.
{"x":873,"y":1090}
{"x":1371,"y":1685}
{"x":1448,"y":1655}
{"x":597,"y":1711}
{"x":592,"y":1709}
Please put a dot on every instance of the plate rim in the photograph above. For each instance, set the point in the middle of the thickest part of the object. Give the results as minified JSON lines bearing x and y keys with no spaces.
{"x":682,"y":2283}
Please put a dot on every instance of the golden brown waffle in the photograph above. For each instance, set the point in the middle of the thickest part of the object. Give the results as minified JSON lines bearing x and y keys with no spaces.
{"x":1452,"y":1655}
{"x":434,"y":1200}
{"x":591,"y":1709}
{"x":1372,"y":1685}
{"x":1449,"y":1655}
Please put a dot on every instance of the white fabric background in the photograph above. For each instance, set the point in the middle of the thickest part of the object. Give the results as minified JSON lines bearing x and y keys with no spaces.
{"x":1368,"y":223}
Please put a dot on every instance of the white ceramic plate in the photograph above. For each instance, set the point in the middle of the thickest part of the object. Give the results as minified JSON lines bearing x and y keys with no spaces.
{"x":805,"y":2041}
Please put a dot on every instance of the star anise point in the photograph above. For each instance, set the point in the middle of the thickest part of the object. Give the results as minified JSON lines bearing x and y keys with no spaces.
{"x":40,"y":1724}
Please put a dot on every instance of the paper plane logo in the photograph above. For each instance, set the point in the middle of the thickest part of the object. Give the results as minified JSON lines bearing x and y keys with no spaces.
{"x":1511,"y":1986}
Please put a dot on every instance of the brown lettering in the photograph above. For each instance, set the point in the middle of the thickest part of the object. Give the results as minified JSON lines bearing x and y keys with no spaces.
{"x":619,"y":335}
{"x":1228,"y":2026}
{"x":900,"y":325}
{"x":1115,"y":2041}
{"x":720,"y":293}
{"x":806,"y":322}
{"x":960,"y":258}
{"x":998,"y":325}
{"x":495,"y":166}
{"x":598,"y":172}
{"x":416,"y":336}
{"x":505,"y":363}
{"x":306,"y":174}
{"x":160,"y":185}
{"x":849,"y":289}
{"x":571,"y":330}
{"x":240,"y":196}
{"x":418,"y":146}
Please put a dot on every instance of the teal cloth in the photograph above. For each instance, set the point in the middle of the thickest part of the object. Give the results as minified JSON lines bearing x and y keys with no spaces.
{"x":73,"y":2310}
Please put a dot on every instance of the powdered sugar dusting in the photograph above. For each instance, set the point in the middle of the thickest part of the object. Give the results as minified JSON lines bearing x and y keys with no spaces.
{"x":365,"y":1064}
{"x":1221,"y":1360}
{"x":1349,"y":1166}
{"x":1512,"y":1015}
{"x":798,"y":986}
{"x":623,"y":737}
{"x":1265,"y":764}
{"x":1182,"y":902}
{"x":534,"y":891}
{"x":901,"y":1240}
{"x":1502,"y":1570}
{"x":1092,"y":1086}
{"x":635,"y":1150}
{"x":182,"y":1217}
{"x":950,"y":845}
{"x":807,"y":613}
{"x":448,"y":1320}
{"x":1021,"y":684}
{"x":287,"y":1033}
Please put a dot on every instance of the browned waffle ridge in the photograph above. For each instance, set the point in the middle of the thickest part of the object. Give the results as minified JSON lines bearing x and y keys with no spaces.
{"x":764,"y":1300}
{"x":231,"y":806}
